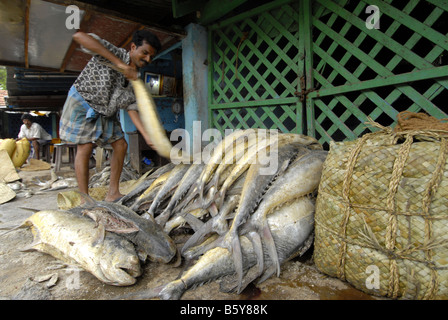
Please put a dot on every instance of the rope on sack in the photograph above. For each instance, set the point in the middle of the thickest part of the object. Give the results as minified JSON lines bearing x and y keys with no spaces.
{"x":407,"y":120}
{"x":409,"y":125}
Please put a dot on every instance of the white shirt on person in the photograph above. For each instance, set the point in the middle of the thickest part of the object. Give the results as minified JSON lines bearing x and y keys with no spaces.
{"x":35,"y":131}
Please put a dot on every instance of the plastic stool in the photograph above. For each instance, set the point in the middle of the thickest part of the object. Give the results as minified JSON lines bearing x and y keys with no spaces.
{"x":58,"y":148}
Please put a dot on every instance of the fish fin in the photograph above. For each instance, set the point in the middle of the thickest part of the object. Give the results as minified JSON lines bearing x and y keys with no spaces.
{"x":163,"y":217}
{"x":30,"y":209}
{"x":198,"y":236}
{"x":33,"y":246}
{"x":270,"y":244}
{"x":178,"y":261}
{"x":194,"y":222}
{"x":99,"y":235}
{"x":267,"y":274}
{"x":12,"y":228}
{"x":238,"y":261}
{"x":255,"y":238}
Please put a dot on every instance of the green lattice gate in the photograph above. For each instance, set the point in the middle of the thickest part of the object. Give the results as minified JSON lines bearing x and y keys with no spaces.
{"x":315,"y":67}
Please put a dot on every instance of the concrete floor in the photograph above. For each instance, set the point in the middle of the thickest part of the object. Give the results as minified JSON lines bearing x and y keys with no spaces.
{"x":299,"y":279}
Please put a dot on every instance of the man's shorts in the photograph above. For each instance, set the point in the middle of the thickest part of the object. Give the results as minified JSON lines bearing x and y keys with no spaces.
{"x":79,"y":123}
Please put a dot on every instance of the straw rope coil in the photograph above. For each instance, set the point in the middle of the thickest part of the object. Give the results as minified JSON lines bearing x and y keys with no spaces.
{"x":382,"y":212}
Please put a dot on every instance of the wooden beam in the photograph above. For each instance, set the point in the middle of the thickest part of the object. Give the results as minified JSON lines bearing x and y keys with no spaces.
{"x":27,"y":32}
{"x":173,"y":31}
{"x":72,"y":47}
{"x":183,"y":8}
{"x":129,"y":37}
{"x":215,"y":9}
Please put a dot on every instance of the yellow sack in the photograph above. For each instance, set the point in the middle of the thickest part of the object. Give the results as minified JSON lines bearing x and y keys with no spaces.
{"x":9,"y":145}
{"x":21,"y":152}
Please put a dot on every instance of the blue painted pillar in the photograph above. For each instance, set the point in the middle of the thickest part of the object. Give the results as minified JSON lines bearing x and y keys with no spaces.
{"x":194,"y":72}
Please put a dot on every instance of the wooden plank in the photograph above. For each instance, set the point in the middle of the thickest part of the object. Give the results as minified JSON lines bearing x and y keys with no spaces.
{"x":215,"y":9}
{"x":249,"y":14}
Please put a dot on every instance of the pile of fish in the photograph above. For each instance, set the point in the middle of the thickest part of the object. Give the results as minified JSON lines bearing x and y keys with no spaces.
{"x":245,"y":211}
{"x":246,"y":216}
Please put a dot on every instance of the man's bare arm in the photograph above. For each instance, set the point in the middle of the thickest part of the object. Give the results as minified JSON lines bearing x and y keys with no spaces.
{"x":92,"y":44}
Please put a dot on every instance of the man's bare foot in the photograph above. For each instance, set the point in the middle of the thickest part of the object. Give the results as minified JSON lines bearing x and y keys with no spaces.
{"x":113,"y":198}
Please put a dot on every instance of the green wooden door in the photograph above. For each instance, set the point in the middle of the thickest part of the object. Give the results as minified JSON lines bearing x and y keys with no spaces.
{"x":322,"y":67}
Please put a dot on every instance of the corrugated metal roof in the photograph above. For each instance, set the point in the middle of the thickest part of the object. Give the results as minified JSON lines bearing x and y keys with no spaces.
{"x":37,"y":34}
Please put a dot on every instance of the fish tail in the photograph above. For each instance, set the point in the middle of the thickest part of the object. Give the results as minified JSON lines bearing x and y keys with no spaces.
{"x":173,"y":290}
{"x":162,"y":218}
{"x":255,"y":238}
{"x":198,"y":236}
{"x":270,"y":244}
{"x":238,"y":261}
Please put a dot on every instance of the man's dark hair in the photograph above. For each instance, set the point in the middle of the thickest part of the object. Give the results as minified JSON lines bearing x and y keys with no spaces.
{"x":27,"y":116}
{"x":145,"y":35}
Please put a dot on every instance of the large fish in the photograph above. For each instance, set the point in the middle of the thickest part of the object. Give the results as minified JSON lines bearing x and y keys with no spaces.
{"x":291,"y":226}
{"x":68,"y":237}
{"x":188,"y":181}
{"x":143,"y":183}
{"x":225,"y":146}
{"x":172,"y":181}
{"x":254,"y":187}
{"x":146,"y":234}
{"x":301,"y":178}
{"x":258,"y":151}
{"x":151,"y":190}
{"x":152,"y":124}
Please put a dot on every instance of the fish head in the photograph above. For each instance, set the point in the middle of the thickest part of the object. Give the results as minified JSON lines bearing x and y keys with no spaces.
{"x":120,"y":265}
{"x":159,"y":245}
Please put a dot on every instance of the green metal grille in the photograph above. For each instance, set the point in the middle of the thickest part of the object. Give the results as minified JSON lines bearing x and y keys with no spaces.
{"x":359,"y":72}
{"x":315,"y":60}
{"x":253,"y":72}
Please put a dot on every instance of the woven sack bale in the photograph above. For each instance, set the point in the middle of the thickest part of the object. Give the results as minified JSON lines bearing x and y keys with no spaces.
{"x":381,"y":218}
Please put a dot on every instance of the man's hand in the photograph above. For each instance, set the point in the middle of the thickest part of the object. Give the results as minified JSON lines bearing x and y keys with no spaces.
{"x":129,"y":72}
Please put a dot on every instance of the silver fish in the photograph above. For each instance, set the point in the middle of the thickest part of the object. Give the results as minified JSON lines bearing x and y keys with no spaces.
{"x":300,"y":179}
{"x":170,"y":184}
{"x":68,"y":237}
{"x":152,"y":124}
{"x":149,"y":238}
{"x":188,"y":180}
{"x":291,"y":226}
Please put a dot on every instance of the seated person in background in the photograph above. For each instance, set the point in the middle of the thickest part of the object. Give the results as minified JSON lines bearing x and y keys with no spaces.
{"x":34,"y":133}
